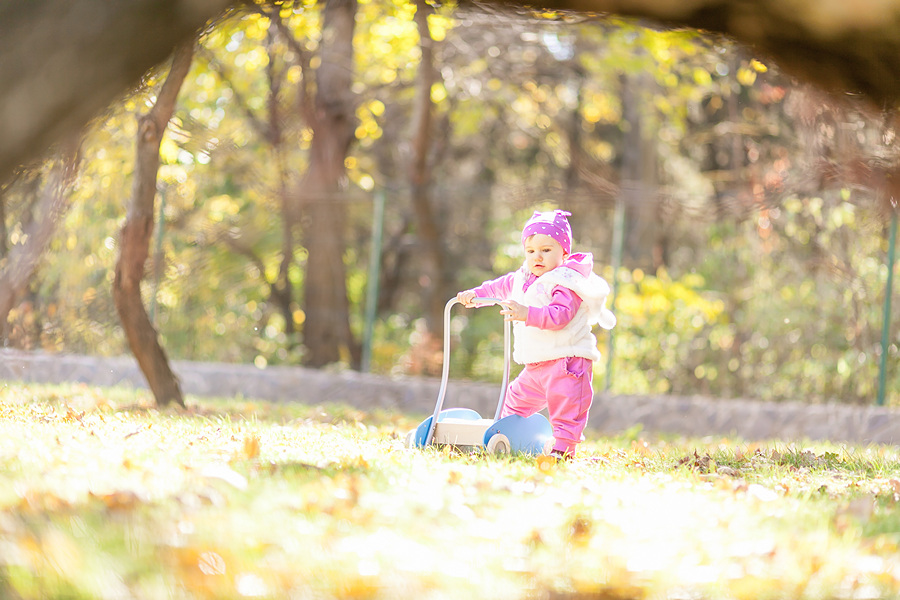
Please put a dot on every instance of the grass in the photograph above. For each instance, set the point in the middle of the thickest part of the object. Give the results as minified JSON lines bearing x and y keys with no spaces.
{"x":103,"y":496}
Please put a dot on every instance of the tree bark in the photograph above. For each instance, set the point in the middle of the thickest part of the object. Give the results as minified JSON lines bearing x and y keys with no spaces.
{"x":134,"y":242}
{"x":428,"y":231}
{"x":64,"y":61}
{"x":637,"y":190}
{"x":22,"y":259}
{"x":326,"y":332}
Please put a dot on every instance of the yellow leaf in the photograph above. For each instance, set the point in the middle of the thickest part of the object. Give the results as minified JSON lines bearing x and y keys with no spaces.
{"x":438,"y":92}
{"x":746,"y":77}
{"x":546,"y":463}
{"x":702,"y":77}
{"x":72,"y":415}
{"x":758,"y":66}
{"x":251,"y":446}
{"x":640,"y":447}
{"x":168,"y":151}
{"x":120,"y":500}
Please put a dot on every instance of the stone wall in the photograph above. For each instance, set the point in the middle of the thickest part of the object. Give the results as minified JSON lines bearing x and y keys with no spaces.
{"x":695,"y":416}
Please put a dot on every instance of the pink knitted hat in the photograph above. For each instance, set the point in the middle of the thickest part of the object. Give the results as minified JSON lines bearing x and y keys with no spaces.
{"x":552,"y":223}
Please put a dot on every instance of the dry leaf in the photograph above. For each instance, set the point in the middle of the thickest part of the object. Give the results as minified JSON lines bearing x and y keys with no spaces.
{"x":120,"y":500}
{"x":546,"y":463}
{"x":72,"y":415}
{"x":251,"y":446}
{"x":225,"y":473}
{"x":895,"y":485}
{"x":581,"y":528}
{"x":640,"y":447}
{"x":211,"y":563}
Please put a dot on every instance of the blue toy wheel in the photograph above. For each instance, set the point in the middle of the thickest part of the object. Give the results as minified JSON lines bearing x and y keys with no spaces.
{"x":526,"y":435}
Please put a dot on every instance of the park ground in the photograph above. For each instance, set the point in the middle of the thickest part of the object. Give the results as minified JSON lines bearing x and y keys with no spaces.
{"x":104,"y":496}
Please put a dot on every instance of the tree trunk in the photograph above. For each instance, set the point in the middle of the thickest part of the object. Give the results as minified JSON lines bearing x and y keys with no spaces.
{"x":637,"y":187}
{"x":427,"y":228}
{"x":22,"y":259}
{"x":134,"y":242}
{"x":4,"y":234}
{"x":326,"y":332}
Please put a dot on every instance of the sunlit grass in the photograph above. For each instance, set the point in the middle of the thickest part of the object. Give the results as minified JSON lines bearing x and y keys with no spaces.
{"x":103,"y":496}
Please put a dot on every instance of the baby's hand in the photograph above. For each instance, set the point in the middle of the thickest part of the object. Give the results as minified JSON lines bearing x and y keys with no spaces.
{"x":466,"y":297}
{"x":515,"y":312}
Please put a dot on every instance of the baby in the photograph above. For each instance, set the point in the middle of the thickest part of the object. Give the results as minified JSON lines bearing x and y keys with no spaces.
{"x":554,"y":299}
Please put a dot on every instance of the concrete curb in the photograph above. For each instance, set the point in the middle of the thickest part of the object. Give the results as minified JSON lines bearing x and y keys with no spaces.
{"x":611,"y":414}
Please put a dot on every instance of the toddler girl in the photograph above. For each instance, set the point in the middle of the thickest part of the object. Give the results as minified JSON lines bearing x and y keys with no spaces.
{"x":554,"y":299}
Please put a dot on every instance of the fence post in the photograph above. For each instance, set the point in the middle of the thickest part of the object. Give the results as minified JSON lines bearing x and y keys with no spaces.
{"x":372,"y":283}
{"x":886,"y":320}
{"x":618,"y":241}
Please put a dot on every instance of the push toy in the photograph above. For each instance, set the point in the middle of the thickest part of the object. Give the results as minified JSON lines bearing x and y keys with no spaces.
{"x":465,"y":428}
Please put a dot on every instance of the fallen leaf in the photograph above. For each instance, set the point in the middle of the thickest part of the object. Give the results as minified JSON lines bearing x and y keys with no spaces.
{"x":580,"y":528}
{"x":640,"y":447}
{"x":225,"y":473}
{"x":120,"y":500}
{"x":546,"y":463}
{"x":728,"y":471}
{"x":211,"y":563}
{"x":251,"y":446}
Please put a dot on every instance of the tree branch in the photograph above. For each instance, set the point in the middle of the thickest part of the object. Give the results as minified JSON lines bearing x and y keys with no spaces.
{"x":65,"y":61}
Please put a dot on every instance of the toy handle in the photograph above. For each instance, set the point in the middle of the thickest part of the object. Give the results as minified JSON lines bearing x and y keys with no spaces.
{"x":487,"y":301}
{"x":482,"y":302}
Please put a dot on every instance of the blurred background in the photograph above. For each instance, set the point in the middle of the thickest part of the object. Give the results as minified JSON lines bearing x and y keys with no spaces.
{"x":740,"y":216}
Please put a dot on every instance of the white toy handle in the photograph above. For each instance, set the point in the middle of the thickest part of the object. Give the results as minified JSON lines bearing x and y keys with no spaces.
{"x":445,"y":373}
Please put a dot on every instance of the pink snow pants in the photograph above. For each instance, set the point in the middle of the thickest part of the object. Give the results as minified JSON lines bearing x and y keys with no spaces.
{"x":564,"y":386}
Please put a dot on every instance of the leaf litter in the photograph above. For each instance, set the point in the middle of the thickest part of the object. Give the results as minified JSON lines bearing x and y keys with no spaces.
{"x":111,"y":498}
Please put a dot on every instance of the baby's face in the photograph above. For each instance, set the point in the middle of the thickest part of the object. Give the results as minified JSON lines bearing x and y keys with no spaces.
{"x":543,"y":254}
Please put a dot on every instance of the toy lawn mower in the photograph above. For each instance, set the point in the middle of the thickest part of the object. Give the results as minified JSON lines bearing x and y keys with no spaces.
{"x":464,"y":428}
